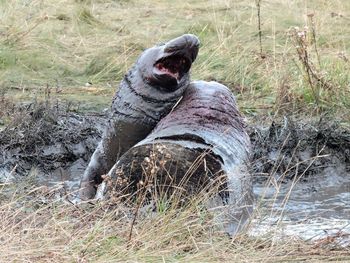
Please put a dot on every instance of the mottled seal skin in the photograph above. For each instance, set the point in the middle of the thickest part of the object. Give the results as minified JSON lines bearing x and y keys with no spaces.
{"x":206,"y":123}
{"x":147,"y":93}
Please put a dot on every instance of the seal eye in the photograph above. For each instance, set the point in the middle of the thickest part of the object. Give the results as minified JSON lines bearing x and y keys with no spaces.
{"x":173,"y":66}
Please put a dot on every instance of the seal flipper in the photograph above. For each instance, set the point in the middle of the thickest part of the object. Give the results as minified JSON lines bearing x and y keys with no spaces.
{"x":115,"y":141}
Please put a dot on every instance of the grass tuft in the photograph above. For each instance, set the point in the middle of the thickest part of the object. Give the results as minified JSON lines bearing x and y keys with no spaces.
{"x":84,"y":15}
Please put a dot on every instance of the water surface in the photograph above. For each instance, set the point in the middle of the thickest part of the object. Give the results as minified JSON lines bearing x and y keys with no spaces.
{"x":310,"y":210}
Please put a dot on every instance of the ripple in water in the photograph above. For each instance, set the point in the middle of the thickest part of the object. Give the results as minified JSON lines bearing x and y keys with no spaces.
{"x":310,"y":211}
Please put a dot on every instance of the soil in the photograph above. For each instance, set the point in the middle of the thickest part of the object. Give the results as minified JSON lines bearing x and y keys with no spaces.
{"x":54,"y":143}
{"x":288,"y":148}
{"x":47,"y":140}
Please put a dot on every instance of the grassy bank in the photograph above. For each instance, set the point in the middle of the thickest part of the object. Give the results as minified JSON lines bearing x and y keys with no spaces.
{"x":300,"y":65}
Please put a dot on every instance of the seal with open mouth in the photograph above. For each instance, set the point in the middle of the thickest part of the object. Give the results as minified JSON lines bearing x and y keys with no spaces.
{"x":147,"y":93}
{"x":202,"y":144}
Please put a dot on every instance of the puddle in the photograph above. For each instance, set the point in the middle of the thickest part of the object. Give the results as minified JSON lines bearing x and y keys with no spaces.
{"x":312,"y":211}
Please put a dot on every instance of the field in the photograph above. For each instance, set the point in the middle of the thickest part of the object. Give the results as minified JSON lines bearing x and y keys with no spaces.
{"x":301,"y":62}
{"x":278,"y":57}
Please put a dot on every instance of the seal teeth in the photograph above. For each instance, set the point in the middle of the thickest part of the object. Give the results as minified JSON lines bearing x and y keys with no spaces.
{"x":174,"y":66}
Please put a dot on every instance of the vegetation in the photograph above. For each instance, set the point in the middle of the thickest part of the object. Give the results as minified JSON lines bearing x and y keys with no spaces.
{"x":289,"y":56}
{"x":36,"y":227}
{"x":278,"y":57}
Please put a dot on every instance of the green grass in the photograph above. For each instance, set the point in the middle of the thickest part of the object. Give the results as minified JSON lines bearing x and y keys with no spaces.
{"x":69,"y":43}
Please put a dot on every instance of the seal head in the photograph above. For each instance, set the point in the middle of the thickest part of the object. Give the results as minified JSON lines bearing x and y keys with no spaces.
{"x":167,"y":66}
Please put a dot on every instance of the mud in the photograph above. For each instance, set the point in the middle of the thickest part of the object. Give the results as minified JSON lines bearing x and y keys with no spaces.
{"x":48,"y":137}
{"x":48,"y":141}
{"x":302,"y":182}
{"x":293,"y":148}
{"x":307,"y":162}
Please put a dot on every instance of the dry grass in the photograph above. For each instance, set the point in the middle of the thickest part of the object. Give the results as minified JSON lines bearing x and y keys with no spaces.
{"x":36,"y":228}
{"x":43,"y":225}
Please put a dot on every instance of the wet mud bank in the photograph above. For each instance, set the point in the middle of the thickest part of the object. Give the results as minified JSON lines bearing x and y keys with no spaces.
{"x":301,"y":170}
{"x":47,"y":143}
{"x":289,"y":149}
{"x":55,"y":145}
{"x":302,"y":181}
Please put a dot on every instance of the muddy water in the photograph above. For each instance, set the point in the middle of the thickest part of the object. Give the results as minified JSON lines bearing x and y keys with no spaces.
{"x":68,"y":178}
{"x":312,"y":210}
{"x":309,"y":209}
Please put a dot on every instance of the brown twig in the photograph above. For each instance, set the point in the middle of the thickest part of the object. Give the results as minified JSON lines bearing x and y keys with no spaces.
{"x":313,"y":34}
{"x":258,"y":5}
{"x":313,"y":74}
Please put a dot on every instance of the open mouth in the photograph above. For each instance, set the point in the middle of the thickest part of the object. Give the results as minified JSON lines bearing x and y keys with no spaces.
{"x":173,"y":66}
